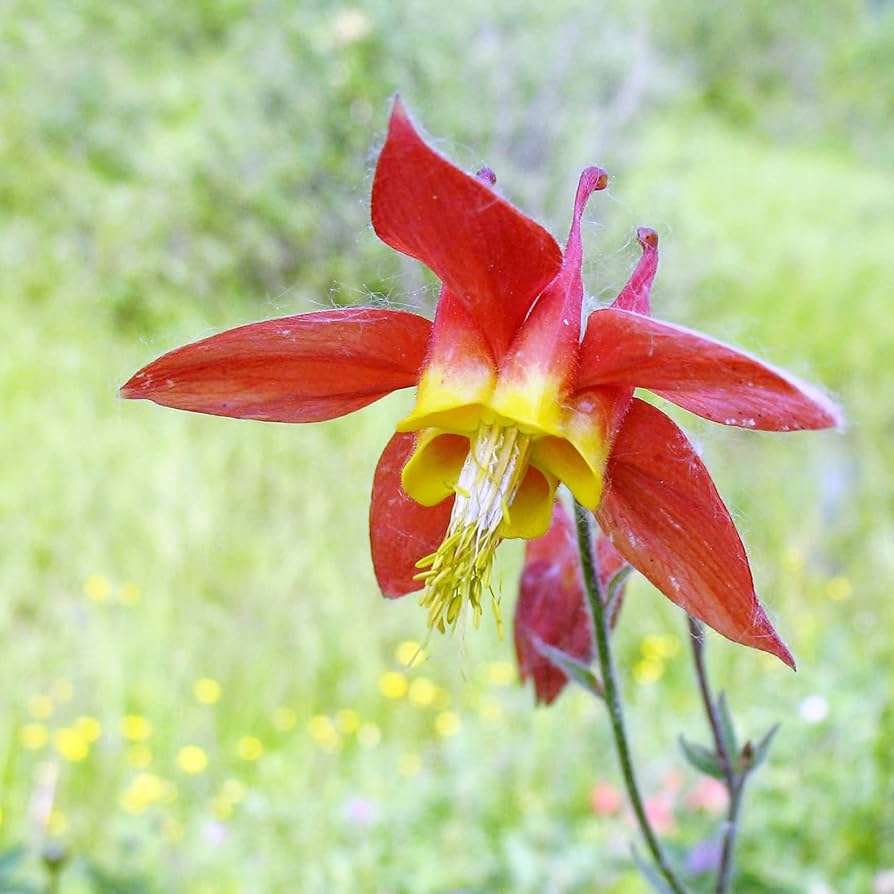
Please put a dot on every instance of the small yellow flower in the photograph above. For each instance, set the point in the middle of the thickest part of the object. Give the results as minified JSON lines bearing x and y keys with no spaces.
{"x":129,"y":594}
{"x":839,"y":588}
{"x":1,"y":816}
{"x":206,"y":690}
{"x":139,"y":756}
{"x":285,"y":719}
{"x":136,"y":728}
{"x":192,"y":759}
{"x":409,"y":765}
{"x":250,"y":748}
{"x":148,"y":787}
{"x":71,"y":744}
{"x":347,"y":720}
{"x":409,"y":653}
{"x":57,"y":823}
{"x":447,"y":723}
{"x":144,"y":789}
{"x":648,"y":670}
{"x":369,"y":735}
{"x":500,"y":673}
{"x":89,"y":727}
{"x":422,"y":692}
{"x":41,"y":706}
{"x":33,"y":736}
{"x":655,"y":647}
{"x":97,"y":588}
{"x":62,"y":691}
{"x":322,"y":730}
{"x":651,"y":648}
{"x":320,"y":727}
{"x":393,"y":685}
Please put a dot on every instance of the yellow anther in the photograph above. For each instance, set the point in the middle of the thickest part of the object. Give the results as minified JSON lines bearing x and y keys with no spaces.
{"x":459,"y":572}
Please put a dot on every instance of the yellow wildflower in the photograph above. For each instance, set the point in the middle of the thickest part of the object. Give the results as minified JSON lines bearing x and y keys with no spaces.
{"x":129,"y":594}
{"x":447,"y":723}
{"x":33,"y":736}
{"x":89,"y":727}
{"x":192,"y":759}
{"x":250,"y":748}
{"x":347,"y":720}
{"x":71,"y":743}
{"x":206,"y":690}
{"x":136,"y":728}
{"x":97,"y":588}
{"x":422,"y":692}
{"x":40,"y":706}
{"x":393,"y":684}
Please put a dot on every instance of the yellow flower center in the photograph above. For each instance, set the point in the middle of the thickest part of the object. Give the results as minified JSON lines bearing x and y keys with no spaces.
{"x":458,"y":573}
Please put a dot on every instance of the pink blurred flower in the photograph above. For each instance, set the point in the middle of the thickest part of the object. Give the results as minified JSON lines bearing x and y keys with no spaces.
{"x":660,"y":812}
{"x":707,"y":794}
{"x":605,"y":799}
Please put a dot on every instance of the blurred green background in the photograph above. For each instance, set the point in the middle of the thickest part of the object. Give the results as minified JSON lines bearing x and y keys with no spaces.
{"x":202,"y":689}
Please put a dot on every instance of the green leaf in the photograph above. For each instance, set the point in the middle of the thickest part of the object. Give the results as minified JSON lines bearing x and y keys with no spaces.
{"x":614,"y":590}
{"x":575,"y":670}
{"x":703,"y":759}
{"x":727,"y":729}
{"x":758,"y":753}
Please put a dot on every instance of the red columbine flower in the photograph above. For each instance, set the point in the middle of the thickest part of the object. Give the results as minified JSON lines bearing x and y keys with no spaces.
{"x":510,"y":400}
{"x":552,"y":611}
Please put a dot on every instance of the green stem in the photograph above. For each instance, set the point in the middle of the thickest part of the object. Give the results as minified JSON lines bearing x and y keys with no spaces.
{"x":613,"y":695}
{"x":697,"y":637}
{"x":734,"y":780}
{"x":725,"y":873}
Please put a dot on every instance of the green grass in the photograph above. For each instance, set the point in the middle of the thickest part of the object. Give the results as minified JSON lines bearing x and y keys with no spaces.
{"x":130,"y":225}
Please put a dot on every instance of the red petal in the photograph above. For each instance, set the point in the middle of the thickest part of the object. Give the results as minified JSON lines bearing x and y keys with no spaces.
{"x":552,"y":607}
{"x":547,"y":342}
{"x":701,"y":375}
{"x":305,"y":368}
{"x":401,"y":531}
{"x":665,"y":517}
{"x":635,"y":294}
{"x":489,"y":253}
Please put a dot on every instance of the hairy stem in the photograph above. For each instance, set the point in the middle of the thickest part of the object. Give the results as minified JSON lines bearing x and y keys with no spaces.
{"x":613,"y":695}
{"x":733,"y":779}
{"x":697,"y":637}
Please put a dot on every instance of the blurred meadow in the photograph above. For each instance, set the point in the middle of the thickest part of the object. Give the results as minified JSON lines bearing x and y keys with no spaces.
{"x":202,"y":688}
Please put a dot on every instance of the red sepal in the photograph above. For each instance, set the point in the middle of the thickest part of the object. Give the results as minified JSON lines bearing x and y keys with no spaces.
{"x":305,"y":368}
{"x":401,"y":531}
{"x":547,"y":342}
{"x":636,"y":293}
{"x":699,"y":374}
{"x":665,"y":517}
{"x":486,"y":251}
{"x":552,"y":607}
